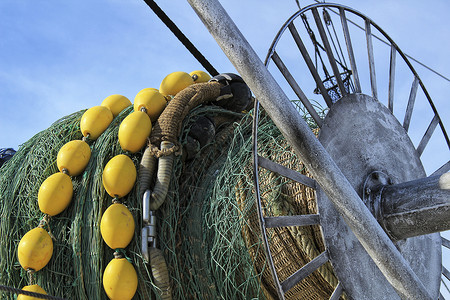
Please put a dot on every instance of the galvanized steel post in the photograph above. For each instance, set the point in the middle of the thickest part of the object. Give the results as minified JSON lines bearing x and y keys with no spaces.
{"x":295,"y":130}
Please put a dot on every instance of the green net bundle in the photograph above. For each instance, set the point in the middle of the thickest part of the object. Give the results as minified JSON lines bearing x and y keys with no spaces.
{"x":207,"y":227}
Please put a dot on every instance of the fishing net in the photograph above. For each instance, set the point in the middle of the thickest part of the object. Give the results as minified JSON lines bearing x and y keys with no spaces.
{"x":207,"y":227}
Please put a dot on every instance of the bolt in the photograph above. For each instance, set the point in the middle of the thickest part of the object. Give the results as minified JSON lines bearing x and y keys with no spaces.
{"x":368,"y":191}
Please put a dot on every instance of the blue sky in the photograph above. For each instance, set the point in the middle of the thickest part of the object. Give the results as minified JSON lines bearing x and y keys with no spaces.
{"x":58,"y":57}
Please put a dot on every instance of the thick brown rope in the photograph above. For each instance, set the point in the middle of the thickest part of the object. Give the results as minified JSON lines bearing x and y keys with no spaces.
{"x":169,"y":123}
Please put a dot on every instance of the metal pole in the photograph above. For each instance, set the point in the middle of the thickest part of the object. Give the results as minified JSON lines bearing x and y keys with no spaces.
{"x":416,"y":207}
{"x":297,"y":133}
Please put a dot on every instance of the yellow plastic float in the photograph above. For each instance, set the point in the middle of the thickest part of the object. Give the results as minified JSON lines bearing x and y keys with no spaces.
{"x":146,"y":90}
{"x":153,"y":102}
{"x":31,"y":288}
{"x":95,"y":121}
{"x":117,"y":226}
{"x":120,"y":279}
{"x":119,"y":176}
{"x":35,"y":249}
{"x":175,"y":82}
{"x":200,"y":76}
{"x":55,"y":194}
{"x":74,"y":157}
{"x":134,"y":131}
{"x":116,"y":103}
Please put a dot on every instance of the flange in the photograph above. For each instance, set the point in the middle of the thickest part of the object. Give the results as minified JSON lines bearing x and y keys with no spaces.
{"x":371,"y":148}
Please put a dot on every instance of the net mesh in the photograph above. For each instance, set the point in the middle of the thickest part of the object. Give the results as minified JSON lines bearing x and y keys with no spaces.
{"x":207,"y":227}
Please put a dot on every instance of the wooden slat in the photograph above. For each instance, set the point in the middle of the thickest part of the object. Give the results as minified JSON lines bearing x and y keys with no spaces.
{"x":426,"y":137}
{"x":411,"y":100}
{"x":286,"y":172}
{"x":373,"y":78}
{"x":337,"y":292}
{"x":351,"y":55}
{"x":391,"y":79}
{"x":285,"y":221}
{"x":296,"y":88}
{"x":310,"y":64}
{"x":304,"y":272}
{"x":330,"y":55}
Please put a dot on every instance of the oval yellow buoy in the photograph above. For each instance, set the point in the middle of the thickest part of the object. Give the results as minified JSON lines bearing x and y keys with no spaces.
{"x":55,"y":194}
{"x":120,"y":279}
{"x":116,"y":103}
{"x":119,"y":176}
{"x":35,"y":249}
{"x":31,"y":288}
{"x":200,"y":76}
{"x":153,"y":102}
{"x":95,"y":120}
{"x":147,"y":90}
{"x":134,"y":131}
{"x":175,"y":82}
{"x":74,"y":156}
{"x":117,"y":226}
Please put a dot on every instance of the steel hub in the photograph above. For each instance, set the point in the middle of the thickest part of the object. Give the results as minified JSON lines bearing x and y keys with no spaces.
{"x":372,"y":149}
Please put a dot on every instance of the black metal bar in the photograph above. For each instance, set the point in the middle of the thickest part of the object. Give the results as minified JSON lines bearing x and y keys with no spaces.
{"x":181,"y":37}
{"x":410,"y":106}
{"x":351,"y":54}
{"x":426,"y":137}
{"x":296,"y":88}
{"x":286,"y":172}
{"x":310,"y":64}
{"x":285,"y":221}
{"x":337,"y":292}
{"x":330,"y":55}
{"x":373,"y":78}
{"x":304,"y":272}
{"x":391,"y":78}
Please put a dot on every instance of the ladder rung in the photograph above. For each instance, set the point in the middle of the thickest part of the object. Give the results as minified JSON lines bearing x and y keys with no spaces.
{"x":298,"y":220}
{"x":304,"y":272}
{"x":286,"y":172}
{"x":445,"y":242}
{"x":446,"y":273}
{"x":337,"y":292}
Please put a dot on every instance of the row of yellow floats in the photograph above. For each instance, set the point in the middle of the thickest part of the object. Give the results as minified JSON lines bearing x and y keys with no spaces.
{"x":117,"y":225}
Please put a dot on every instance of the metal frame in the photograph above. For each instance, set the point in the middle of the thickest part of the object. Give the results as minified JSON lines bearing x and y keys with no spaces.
{"x":297,"y":133}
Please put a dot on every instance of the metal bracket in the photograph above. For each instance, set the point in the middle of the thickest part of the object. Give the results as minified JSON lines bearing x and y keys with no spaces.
{"x":148,"y":232}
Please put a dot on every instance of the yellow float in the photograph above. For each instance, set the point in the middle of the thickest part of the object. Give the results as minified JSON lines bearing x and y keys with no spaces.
{"x":117,"y":226}
{"x":120,"y":279}
{"x":95,"y":120}
{"x":175,"y":82}
{"x":153,"y":102}
{"x":74,"y":157}
{"x":146,"y":90}
{"x":31,"y":288}
{"x":200,"y":76}
{"x":134,"y":131}
{"x":119,"y":176}
{"x":55,"y":194}
{"x":116,"y":103}
{"x":35,"y":249}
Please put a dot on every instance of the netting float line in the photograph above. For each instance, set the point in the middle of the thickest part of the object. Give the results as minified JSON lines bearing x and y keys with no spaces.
{"x":207,"y":231}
